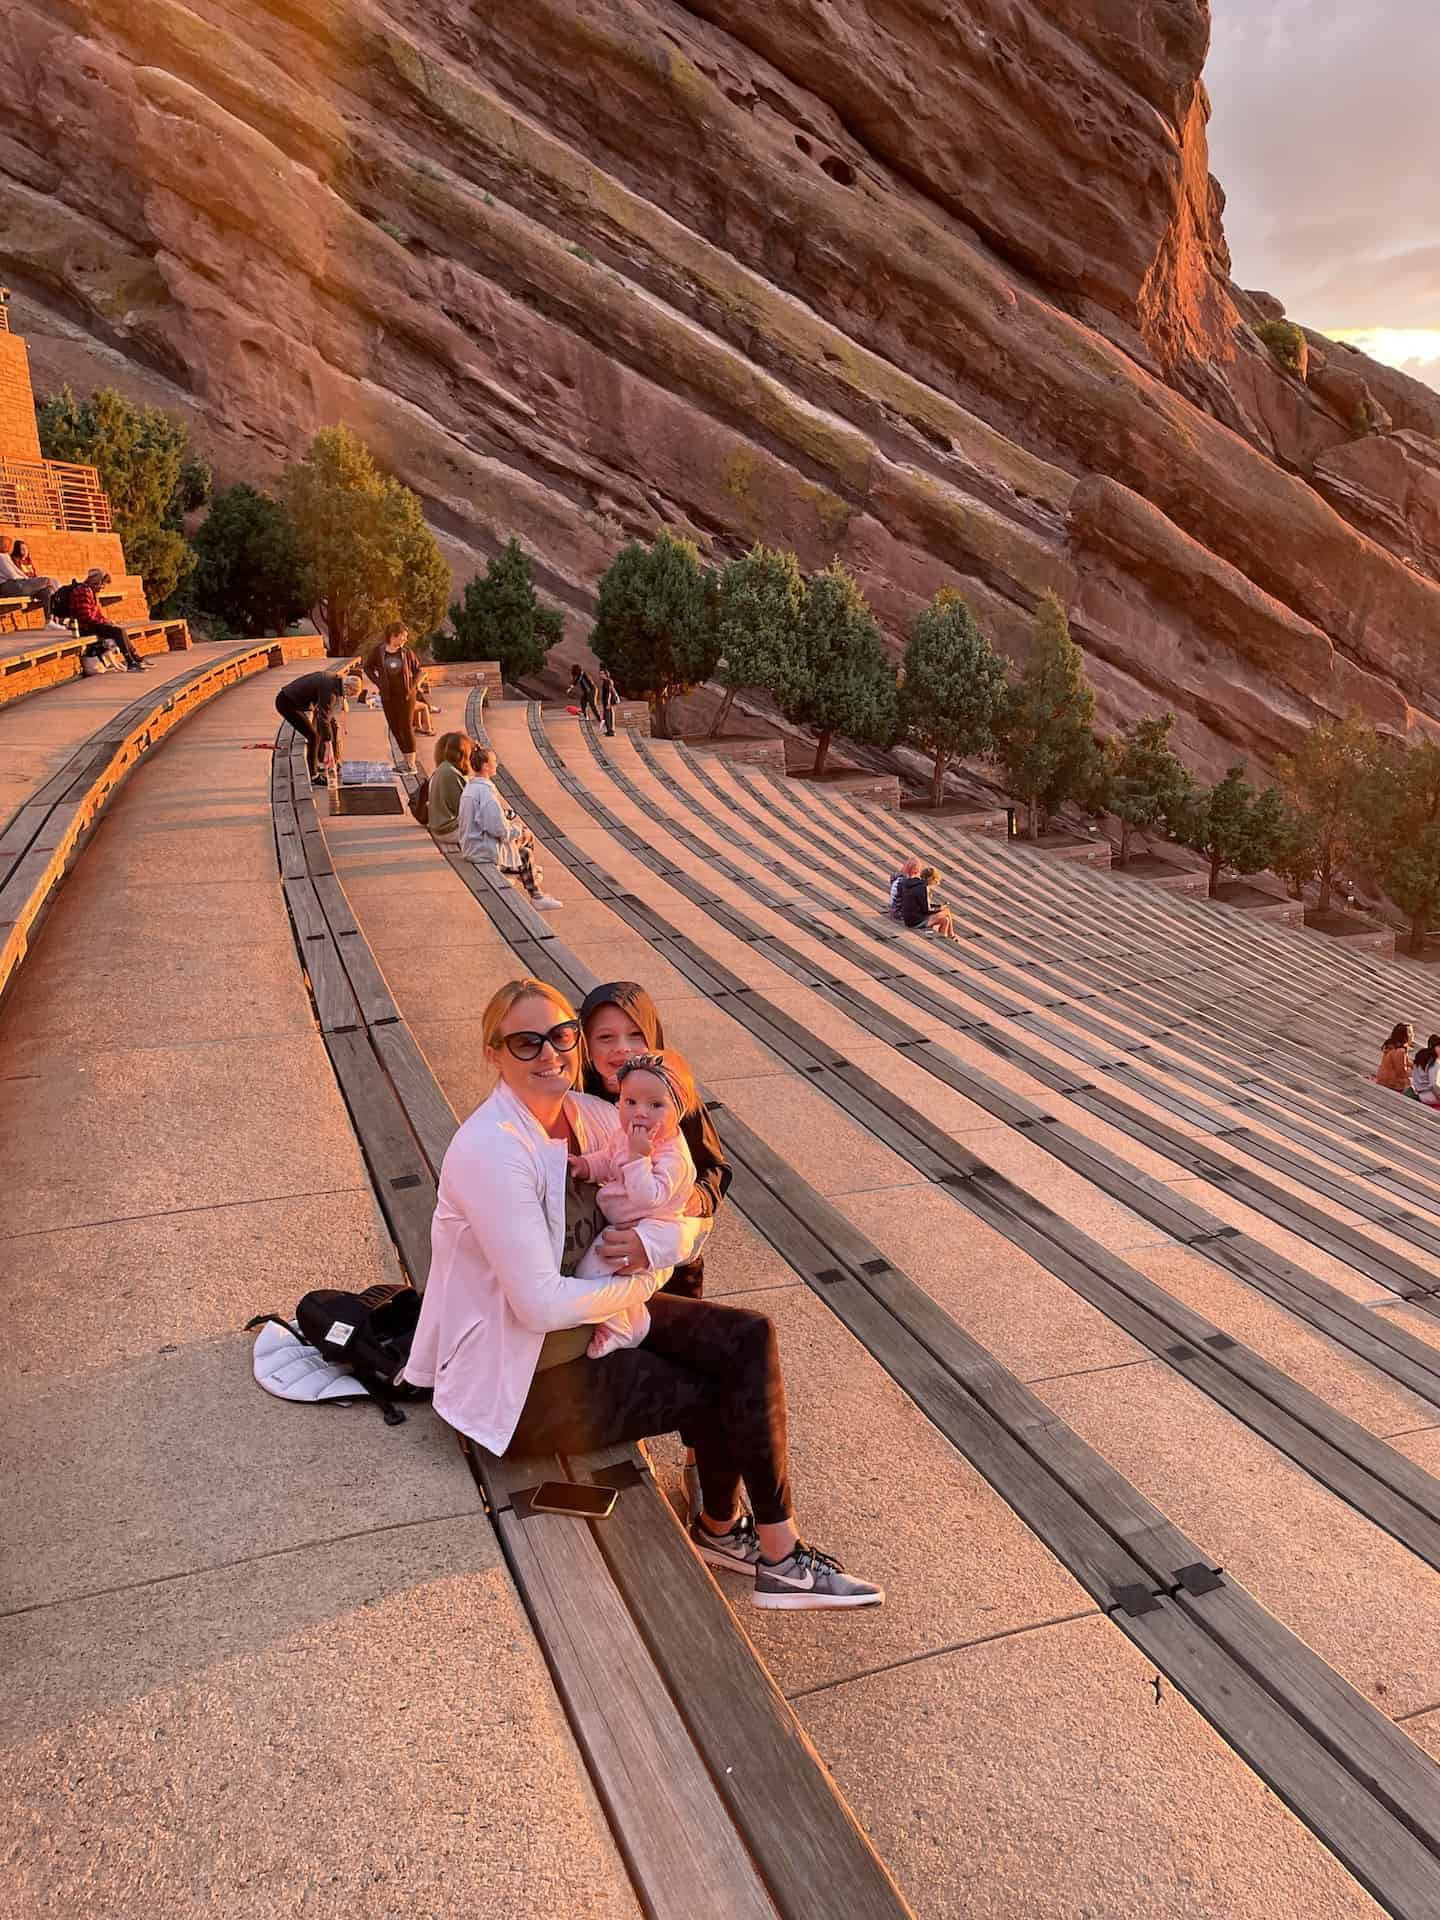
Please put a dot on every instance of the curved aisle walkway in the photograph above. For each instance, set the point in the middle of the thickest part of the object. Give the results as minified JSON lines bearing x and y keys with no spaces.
{"x":259,"y":1658}
{"x":999,"y":1740}
{"x":40,"y":732}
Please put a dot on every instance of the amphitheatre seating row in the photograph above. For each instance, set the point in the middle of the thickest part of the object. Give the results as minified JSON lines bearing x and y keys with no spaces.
{"x":31,"y":665}
{"x":1238,"y":1379}
{"x":1196,"y":1151}
{"x":706,"y":1776}
{"x":1084,"y":1510}
{"x":43,"y":837}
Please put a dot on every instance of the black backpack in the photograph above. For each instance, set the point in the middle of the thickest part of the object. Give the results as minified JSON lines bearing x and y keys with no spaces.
{"x":60,"y":601}
{"x":420,"y":802}
{"x":368,"y":1333}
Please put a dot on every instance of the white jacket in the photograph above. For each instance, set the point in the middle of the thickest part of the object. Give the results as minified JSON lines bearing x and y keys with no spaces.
{"x":495,"y":1288}
{"x":484,"y":828}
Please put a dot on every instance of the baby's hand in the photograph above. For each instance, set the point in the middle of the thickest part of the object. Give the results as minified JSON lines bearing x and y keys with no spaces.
{"x":580,"y":1166}
{"x":642,"y":1141}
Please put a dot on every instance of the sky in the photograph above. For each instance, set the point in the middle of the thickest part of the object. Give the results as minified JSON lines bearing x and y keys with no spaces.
{"x":1326,"y":139}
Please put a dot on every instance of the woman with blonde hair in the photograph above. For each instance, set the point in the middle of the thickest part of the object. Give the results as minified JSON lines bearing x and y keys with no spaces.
{"x":506,"y":1320}
{"x":446,"y":784}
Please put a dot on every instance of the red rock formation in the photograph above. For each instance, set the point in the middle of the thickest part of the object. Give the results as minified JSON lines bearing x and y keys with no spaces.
{"x":886,"y":278}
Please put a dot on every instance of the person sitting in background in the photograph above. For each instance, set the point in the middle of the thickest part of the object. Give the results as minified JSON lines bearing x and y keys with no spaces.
{"x":82,"y":605}
{"x":920,"y":908}
{"x":491,"y":836}
{"x":1394,"y":1068}
{"x":1425,"y":1073}
{"x":17,"y":577}
{"x":910,"y":871}
{"x":447,"y":788}
{"x":313,"y":705}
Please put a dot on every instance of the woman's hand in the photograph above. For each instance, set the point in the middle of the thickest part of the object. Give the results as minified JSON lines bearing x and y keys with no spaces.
{"x":623,"y":1248}
{"x":579,"y":1166}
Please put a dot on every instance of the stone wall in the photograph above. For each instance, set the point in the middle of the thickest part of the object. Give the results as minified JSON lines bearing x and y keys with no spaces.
{"x":19,"y":436}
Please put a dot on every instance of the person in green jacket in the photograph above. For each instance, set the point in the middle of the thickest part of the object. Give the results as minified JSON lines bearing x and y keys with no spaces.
{"x":447,"y":783}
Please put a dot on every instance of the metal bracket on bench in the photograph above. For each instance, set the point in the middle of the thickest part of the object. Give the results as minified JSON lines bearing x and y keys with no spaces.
{"x":1198,"y":1579}
{"x":1134,"y":1601}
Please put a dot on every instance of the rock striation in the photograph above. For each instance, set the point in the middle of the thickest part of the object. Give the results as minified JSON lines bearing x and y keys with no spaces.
{"x":941,"y":289}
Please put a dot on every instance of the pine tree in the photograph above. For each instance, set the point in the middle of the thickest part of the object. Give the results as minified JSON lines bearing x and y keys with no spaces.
{"x":365,"y":541}
{"x":1046,"y":745}
{"x":1145,"y":782}
{"x":760,"y":601}
{"x":839,"y":678}
{"x":500,"y":618}
{"x":251,"y":576}
{"x":655,"y":624}
{"x":1233,"y":827}
{"x":954,"y":690}
{"x":1399,"y":830}
{"x":1322,"y":780}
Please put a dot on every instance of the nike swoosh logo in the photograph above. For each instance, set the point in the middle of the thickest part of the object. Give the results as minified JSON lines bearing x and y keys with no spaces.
{"x":801,"y":1586}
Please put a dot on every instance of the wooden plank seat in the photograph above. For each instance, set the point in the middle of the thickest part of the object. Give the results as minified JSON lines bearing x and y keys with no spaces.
{"x":1097,"y":1523}
{"x":44,"y":836}
{"x":716,"y":1796}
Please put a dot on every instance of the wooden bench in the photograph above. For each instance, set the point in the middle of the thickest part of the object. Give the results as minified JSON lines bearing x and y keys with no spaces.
{"x":1314,"y":1739}
{"x":718,"y":1800}
{"x":42,"y":839}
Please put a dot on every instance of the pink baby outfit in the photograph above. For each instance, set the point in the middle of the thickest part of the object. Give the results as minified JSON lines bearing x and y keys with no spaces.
{"x":634,"y":1187}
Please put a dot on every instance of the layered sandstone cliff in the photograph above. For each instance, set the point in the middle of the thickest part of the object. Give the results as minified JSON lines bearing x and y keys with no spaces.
{"x":940,"y":289}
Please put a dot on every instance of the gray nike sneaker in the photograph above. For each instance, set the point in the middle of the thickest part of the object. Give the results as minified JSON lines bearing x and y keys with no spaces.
{"x":737,"y":1551}
{"x":809,"y":1578}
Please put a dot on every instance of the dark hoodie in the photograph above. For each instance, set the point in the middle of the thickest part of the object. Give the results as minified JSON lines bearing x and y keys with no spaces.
{"x":712,"y":1172}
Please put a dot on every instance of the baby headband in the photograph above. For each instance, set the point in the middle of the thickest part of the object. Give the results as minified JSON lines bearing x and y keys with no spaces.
{"x":652,"y":1063}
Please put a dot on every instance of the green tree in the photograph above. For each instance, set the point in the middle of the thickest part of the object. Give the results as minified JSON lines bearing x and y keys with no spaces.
{"x":1322,"y":782}
{"x":143,"y":459}
{"x":250,"y":575}
{"x":500,"y":618}
{"x":1145,"y":784}
{"x":1297,"y":854}
{"x":654,"y":623}
{"x":838,"y":678}
{"x":1046,"y":745}
{"x":364,"y":539}
{"x":954,"y":689}
{"x":1234,"y":827}
{"x":1399,"y":830}
{"x":759,"y":604}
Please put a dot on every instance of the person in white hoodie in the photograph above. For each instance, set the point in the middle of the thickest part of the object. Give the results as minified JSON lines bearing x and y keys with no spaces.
{"x":506,"y":1321}
{"x":1425,"y":1073}
{"x":491,"y":836}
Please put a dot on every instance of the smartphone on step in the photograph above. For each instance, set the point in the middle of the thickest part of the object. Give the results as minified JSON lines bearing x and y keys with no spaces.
{"x":569,"y":1496}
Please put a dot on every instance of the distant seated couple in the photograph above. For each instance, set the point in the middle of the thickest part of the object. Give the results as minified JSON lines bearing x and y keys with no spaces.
{"x":563,"y":1309}
{"x":914,"y":903}
{"x":467,"y":815}
{"x":79,"y":601}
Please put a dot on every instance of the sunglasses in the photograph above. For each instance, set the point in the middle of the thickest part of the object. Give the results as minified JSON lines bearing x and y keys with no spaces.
{"x":529,"y":1046}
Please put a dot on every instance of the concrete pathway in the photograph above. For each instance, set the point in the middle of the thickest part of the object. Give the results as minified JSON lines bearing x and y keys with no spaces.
{"x":259,"y":1658}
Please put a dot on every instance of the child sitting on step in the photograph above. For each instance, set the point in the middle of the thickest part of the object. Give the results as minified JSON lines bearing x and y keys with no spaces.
{"x":646,"y":1173}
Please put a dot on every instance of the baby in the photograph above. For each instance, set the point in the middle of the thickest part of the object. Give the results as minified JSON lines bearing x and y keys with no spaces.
{"x":646,"y":1173}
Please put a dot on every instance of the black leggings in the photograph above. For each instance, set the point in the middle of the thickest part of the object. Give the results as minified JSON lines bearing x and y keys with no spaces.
{"x":302,"y":719}
{"x":712,"y":1373}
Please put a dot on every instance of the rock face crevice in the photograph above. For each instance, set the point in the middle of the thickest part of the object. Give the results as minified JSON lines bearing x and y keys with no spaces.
{"x":941,"y":289}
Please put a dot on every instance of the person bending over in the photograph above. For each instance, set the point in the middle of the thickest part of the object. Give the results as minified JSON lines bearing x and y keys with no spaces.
{"x":582,"y":687}
{"x":313,"y":705}
{"x":646,"y":1173}
{"x":1394,"y":1068}
{"x":506,"y":1320}
{"x":920,"y":909}
{"x":491,"y":836}
{"x":910,"y":871}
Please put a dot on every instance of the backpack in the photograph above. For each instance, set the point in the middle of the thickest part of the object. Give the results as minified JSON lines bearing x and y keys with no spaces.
{"x":420,"y":802}
{"x":369,"y":1334}
{"x":60,"y":602}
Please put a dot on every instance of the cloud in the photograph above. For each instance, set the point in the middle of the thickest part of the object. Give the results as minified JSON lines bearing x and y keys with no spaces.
{"x":1326,"y":138}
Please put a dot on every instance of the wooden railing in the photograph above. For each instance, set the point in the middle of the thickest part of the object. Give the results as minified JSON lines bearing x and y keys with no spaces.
{"x":48,"y":493}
